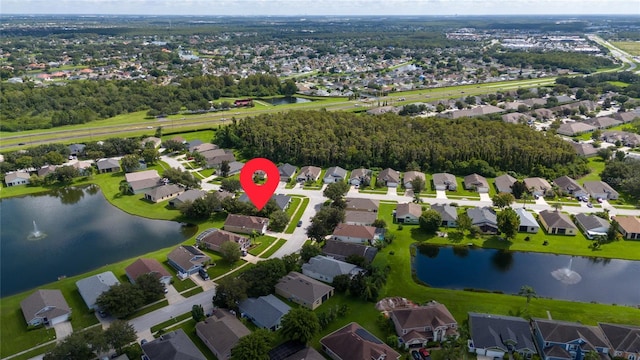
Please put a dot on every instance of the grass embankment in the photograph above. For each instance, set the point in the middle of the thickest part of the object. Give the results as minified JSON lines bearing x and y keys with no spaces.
{"x":192,"y":292}
{"x":273,"y":249}
{"x":293,"y":223}
{"x":170,"y":322}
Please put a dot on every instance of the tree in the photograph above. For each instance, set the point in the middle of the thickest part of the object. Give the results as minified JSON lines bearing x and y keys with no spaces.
{"x":612,"y":233}
{"x":308,"y":251}
{"x":151,"y":287}
{"x":450,"y":349}
{"x":130,"y":162}
{"x":230,"y":185}
{"x":263,"y":277}
{"x":230,"y":251}
{"x":526,"y":197}
{"x":341,"y":282}
{"x":181,"y":177}
{"x":300,"y":324}
{"x":292,"y":262}
{"x":158,"y":132}
{"x":65,"y":174}
{"x":605,"y":153}
{"x":229,"y":292}
{"x":254,"y":346}
{"x":379,"y":224}
{"x":278,"y":220}
{"x":79,"y":345}
{"x":508,"y":223}
{"x":464,"y":222}
{"x":289,"y":87}
{"x":557,"y":206}
{"x":502,"y":200}
{"x":224,"y":168}
{"x":121,"y":299}
{"x":120,"y":334}
{"x":124,"y":188}
{"x":430,"y":221}
{"x":335,"y":191}
{"x":150,"y":155}
{"x":417,"y":185}
{"x":197,"y":313}
{"x":528,"y":292}
{"x":518,"y":189}
{"x":173,"y":145}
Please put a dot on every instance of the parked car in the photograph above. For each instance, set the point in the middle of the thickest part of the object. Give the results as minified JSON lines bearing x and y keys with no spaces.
{"x":102,"y":313}
{"x":299,"y":223}
{"x":589,"y":205}
{"x":424,"y":352}
{"x":600,"y":200}
{"x":203,"y":274}
{"x":416,"y":355}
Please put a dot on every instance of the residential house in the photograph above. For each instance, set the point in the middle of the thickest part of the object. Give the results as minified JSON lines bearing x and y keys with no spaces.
{"x":592,"y":225}
{"x":600,"y":190}
{"x":358,"y":234}
{"x":216,"y":161}
{"x":575,"y":128}
{"x":360,"y":217}
{"x":174,"y":345}
{"x":584,"y":149}
{"x":246,"y":224}
{"x":537,"y":186}
{"x":309,"y":173}
{"x":543,"y":114}
{"x":360,"y":176}
{"x":626,"y":138}
{"x":265,"y":312}
{"x":163,"y":192}
{"x":444,"y":181}
{"x":504,"y":183}
{"x":187,"y":260}
{"x":287,"y":172}
{"x":390,"y":177}
{"x":281,"y":200}
{"x":495,"y":336}
{"x":555,"y":222}
{"x":409,"y":176}
{"x":567,"y":340}
{"x":148,"y":266}
{"x":629,"y":226}
{"x":353,"y":342}
{"x":484,"y":218}
{"x":16,"y":178}
{"x":476,"y":111}
{"x":334,"y":174}
{"x":624,"y":340}
{"x":603,"y":122}
{"x":326,"y":268}
{"x":517,"y":118}
{"x":408,"y":213}
{"x":303,"y":290}
{"x":193,"y":144}
{"x":46,"y":307}
{"x":76,"y":149}
{"x":415,"y":326}
{"x":153,"y":140}
{"x":342,"y":250}
{"x":220,"y":332}
{"x":448,"y":213}
{"x":200,"y":148}
{"x":361,"y":204}
{"x":528,"y":222}
{"x":92,"y":287}
{"x":213,"y":239}
{"x":294,"y":350}
{"x":46,"y":170}
{"x":235,"y":167}
{"x":627,"y":116}
{"x":83,"y":167}
{"x":189,"y":195}
{"x":568,"y":186}
{"x":476,"y":182}
{"x":108,"y":165}
{"x":142,"y":181}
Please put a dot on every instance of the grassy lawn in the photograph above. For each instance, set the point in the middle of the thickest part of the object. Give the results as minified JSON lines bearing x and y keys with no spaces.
{"x":170,"y":322}
{"x":35,"y":352}
{"x":192,"y":292}
{"x":260,"y":244}
{"x":273,"y":249}
{"x":596,"y":164}
{"x":293,"y":205}
{"x":182,"y":285}
{"x":203,"y":135}
{"x":317,"y":185}
{"x":632,"y":47}
{"x":293,"y":223}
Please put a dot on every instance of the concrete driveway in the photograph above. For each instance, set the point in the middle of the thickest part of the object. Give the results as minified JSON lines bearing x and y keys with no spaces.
{"x":485,"y":197}
{"x":441,"y":194}
{"x":63,"y":330}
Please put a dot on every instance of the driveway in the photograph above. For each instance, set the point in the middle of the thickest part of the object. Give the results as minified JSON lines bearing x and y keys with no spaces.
{"x":441,"y":194}
{"x":63,"y":330}
{"x":485,"y":197}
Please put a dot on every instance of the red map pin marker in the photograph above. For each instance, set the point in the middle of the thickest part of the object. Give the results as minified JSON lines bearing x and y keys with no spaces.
{"x":259,"y":194}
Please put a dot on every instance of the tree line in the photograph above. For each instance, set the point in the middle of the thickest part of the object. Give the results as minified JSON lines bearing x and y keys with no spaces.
{"x":556,"y":59}
{"x":431,"y":145}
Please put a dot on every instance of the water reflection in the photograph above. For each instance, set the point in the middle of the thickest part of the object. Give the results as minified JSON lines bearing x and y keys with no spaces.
{"x":502,"y":260}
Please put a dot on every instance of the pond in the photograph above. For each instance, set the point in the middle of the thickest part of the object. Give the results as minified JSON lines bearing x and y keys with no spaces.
{"x":286,"y":100}
{"x":555,"y":276}
{"x":77,"y":230}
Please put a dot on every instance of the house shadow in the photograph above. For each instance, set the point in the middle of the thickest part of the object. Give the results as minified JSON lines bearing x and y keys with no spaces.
{"x":455,"y":236}
{"x":497,"y":242}
{"x":419,"y":235}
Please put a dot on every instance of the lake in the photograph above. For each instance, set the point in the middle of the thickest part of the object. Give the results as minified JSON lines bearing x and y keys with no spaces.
{"x":554,"y":276}
{"x":83,"y":232}
{"x":286,"y":100}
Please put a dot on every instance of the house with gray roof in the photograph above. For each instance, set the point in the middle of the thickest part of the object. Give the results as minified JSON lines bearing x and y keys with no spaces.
{"x":334,"y":174}
{"x":409,"y":176}
{"x":141,"y":181}
{"x":325,"y":268}
{"x":108,"y":165}
{"x":603,"y":122}
{"x":92,"y":287}
{"x":287,"y":172}
{"x":444,"y":181}
{"x":46,"y":170}
{"x":627,"y":116}
{"x":76,"y":149}
{"x":390,"y":177}
{"x":303,"y":290}
{"x":448,"y":213}
{"x":294,"y":350}
{"x":504,"y":182}
{"x":555,"y":222}
{"x":153,"y":140}
{"x":187,"y":260}
{"x":567,"y":340}
{"x":568,"y":186}
{"x":362,"y":204}
{"x":174,"y":345}
{"x":16,"y":178}
{"x":624,"y":340}
{"x":47,"y":307}
{"x":584,"y":149}
{"x":309,"y":173}
{"x":342,"y":250}
{"x":360,"y":176}
{"x":477,"y":183}
{"x":575,"y":128}
{"x":163,"y":192}
{"x":189,"y":195}
{"x":281,"y":200}
{"x":265,"y":312}
{"x":517,"y":118}
{"x":537,"y":186}
{"x":235,"y":167}
{"x":528,"y":222}
{"x":592,"y":225}
{"x":600,"y":190}
{"x":220,"y":332}
{"x":495,"y":336}
{"x":484,"y":218}
{"x":408,"y":213}
{"x":360,"y":217}
{"x":476,"y":111}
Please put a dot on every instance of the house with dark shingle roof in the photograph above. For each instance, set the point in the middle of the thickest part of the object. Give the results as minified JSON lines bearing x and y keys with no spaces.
{"x":567,"y":340}
{"x":484,"y":218}
{"x":555,"y":222}
{"x":419,"y":325}
{"x":408,"y":213}
{"x":148,"y":266}
{"x":409,"y":176}
{"x":624,"y":340}
{"x":246,"y":224}
{"x":390,"y":177}
{"x":309,"y":173}
{"x":592,"y":225}
{"x":108,"y":165}
{"x":448,"y":213}
{"x":497,"y":335}
{"x":281,"y":200}
{"x":92,"y":287}
{"x":600,"y":190}
{"x":76,"y":149}
{"x":353,"y":342}
{"x":174,"y":345}
{"x":584,"y":149}
{"x":504,"y":183}
{"x":265,"y":312}
{"x":142,"y":181}
{"x":287,"y":172}
{"x":444,"y":181}
{"x":46,"y":170}
{"x":187,"y":260}
{"x":342,"y":250}
{"x":334,"y":174}
{"x":569,"y":186}
{"x":360,"y":176}
{"x":163,"y":192}
{"x":324,"y":268}
{"x":603,"y":122}
{"x":46,"y":307}
{"x":629,"y":227}
{"x":221,"y":332}
{"x":303,"y":290}
{"x":189,"y":195}
{"x":293,"y":350}
{"x":477,"y":183}
{"x":213,"y":239}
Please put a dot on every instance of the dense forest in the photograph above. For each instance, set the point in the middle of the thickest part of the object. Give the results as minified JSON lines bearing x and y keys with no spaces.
{"x":460,"y":146}
{"x":26,"y":107}
{"x":601,"y":82}
{"x":554,"y":59}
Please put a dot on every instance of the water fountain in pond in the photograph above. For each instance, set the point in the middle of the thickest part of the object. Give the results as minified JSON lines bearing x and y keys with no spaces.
{"x":566,"y":275}
{"x":36,"y":234}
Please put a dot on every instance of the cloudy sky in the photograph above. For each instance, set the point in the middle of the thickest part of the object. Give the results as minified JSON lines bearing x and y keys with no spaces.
{"x":320,"y":7}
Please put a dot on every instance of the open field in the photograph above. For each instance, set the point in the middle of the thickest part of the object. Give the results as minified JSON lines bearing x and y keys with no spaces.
{"x":632,"y":47}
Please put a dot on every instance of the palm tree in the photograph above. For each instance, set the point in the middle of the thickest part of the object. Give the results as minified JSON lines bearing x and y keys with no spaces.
{"x":528,"y":292}
{"x":124,"y":188}
{"x":526,"y":197}
{"x":556,"y":205}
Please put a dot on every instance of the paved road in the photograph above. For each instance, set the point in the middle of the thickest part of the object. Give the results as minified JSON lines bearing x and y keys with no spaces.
{"x":618,"y":53}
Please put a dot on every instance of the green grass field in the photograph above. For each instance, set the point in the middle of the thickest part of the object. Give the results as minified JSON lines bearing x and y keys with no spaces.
{"x":273,"y":249}
{"x":293,"y":223}
{"x":632,"y":47}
